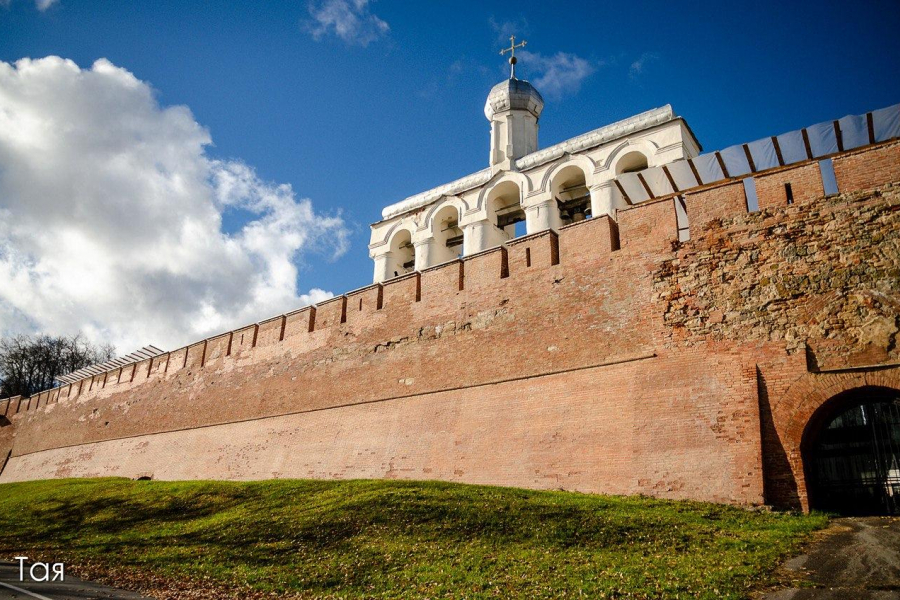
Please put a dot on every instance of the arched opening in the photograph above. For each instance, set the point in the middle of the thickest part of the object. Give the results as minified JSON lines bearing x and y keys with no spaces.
{"x":569,"y":189}
{"x":448,"y":237}
{"x":505,"y":210}
{"x":851,"y":453}
{"x":631,"y":162}
{"x":402,"y":254}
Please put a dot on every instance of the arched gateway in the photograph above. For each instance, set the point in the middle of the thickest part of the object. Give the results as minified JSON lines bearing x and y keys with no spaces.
{"x":851,"y":451}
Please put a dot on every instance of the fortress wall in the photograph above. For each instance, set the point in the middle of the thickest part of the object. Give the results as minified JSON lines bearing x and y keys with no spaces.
{"x":746,"y":294}
{"x":587,"y":430}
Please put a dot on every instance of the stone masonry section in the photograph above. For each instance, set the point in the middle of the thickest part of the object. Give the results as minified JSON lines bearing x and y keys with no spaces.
{"x":608,"y":357}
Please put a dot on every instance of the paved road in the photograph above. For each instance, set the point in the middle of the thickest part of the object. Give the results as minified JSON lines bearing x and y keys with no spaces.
{"x":857,"y":559}
{"x":71,"y":589}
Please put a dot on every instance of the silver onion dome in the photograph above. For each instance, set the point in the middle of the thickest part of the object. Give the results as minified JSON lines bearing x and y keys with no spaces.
{"x":513,"y":94}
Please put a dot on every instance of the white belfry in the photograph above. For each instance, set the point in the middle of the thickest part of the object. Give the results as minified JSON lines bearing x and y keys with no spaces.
{"x":525,"y":187}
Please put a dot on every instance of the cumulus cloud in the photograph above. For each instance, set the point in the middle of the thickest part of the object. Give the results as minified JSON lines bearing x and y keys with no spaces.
{"x":111,"y":216}
{"x":350,"y":20}
{"x":638,"y":66}
{"x":558,"y":75}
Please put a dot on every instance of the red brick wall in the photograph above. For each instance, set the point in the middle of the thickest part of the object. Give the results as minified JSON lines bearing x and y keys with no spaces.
{"x":536,"y":251}
{"x":587,"y":240}
{"x":651,"y":226}
{"x":869,"y":168}
{"x":719,"y":202}
{"x":574,"y":430}
{"x":805,"y":182}
{"x":676,"y":370}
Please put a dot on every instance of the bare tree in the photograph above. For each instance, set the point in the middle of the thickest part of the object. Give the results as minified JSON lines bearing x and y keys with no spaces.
{"x":32,"y":364}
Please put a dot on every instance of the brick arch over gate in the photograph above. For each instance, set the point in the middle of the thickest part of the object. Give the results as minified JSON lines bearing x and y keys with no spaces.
{"x":790,"y":415}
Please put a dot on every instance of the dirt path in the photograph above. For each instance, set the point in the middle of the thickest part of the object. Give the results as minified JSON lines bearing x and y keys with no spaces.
{"x":857,"y":558}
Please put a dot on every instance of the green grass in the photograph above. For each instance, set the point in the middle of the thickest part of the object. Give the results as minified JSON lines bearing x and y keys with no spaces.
{"x":389,"y":539}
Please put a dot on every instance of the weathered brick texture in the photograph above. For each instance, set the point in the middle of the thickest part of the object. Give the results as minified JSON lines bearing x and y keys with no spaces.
{"x":721,"y":201}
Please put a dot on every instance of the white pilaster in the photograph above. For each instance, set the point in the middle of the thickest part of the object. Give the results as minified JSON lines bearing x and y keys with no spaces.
{"x":605,"y":199}
{"x":424,"y":253}
{"x":542,"y":216}
{"x":481,"y":235}
{"x":382,"y":267}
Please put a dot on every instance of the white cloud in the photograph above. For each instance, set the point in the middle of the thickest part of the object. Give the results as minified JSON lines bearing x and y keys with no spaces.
{"x":558,"y":75}
{"x":41,"y":5}
{"x":637,"y":67}
{"x":518,"y":27}
{"x":111,"y":216}
{"x":350,"y":20}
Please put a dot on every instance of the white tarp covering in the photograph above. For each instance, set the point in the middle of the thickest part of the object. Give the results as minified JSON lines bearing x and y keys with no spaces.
{"x":854,"y":131}
{"x":681,"y":172}
{"x":735,"y":161}
{"x":684,"y":233}
{"x":886,"y":122}
{"x":658,"y":182}
{"x":633,"y":187}
{"x":792,"y":147}
{"x":829,"y":182}
{"x":822,"y":140}
{"x":763,"y":153}
{"x":708,"y":168}
{"x":750,"y":194}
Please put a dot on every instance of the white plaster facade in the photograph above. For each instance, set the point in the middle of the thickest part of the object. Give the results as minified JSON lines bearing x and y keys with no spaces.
{"x":546,"y":189}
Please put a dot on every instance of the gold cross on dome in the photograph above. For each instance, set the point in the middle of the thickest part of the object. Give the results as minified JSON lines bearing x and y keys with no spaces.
{"x":512,"y":54}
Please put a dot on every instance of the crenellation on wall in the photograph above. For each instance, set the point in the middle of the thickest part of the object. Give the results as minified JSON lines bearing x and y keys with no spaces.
{"x":194,"y":357}
{"x":331,"y":313}
{"x":533,"y":252}
{"x":269,"y":332}
{"x":649,"y":226}
{"x":705,"y":203}
{"x":300,"y":323}
{"x":804,"y":181}
{"x":443,"y":281}
{"x":589,"y":240}
{"x":402,"y":291}
{"x":242,"y":342}
{"x":175,"y":362}
{"x":485,"y":269}
{"x":719,"y":201}
{"x":361,"y":304}
{"x":867,"y":168}
{"x":216,"y":350}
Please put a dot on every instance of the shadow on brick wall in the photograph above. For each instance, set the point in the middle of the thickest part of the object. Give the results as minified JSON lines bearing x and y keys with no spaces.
{"x":779,"y":485}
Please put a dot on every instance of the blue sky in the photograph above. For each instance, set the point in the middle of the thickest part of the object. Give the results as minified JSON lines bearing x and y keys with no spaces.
{"x":396,"y":107}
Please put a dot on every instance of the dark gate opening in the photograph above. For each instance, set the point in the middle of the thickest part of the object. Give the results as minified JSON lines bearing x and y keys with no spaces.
{"x":853,"y":461}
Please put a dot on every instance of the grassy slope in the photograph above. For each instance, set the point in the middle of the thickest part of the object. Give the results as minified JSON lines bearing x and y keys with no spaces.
{"x":400,"y":539}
